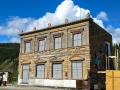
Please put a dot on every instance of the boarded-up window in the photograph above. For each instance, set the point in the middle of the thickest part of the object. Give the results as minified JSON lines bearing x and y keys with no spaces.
{"x":40,"y":71}
{"x":76,"y":69}
{"x":57,"y":70}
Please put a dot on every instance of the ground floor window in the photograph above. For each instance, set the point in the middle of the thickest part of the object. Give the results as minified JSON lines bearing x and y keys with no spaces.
{"x":77,"y":69}
{"x":40,"y":71}
{"x":57,"y":70}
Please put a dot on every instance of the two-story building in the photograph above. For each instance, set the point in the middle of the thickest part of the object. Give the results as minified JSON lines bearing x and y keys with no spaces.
{"x":62,"y":55}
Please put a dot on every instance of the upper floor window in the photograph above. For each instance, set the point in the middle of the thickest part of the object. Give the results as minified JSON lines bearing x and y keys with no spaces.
{"x":27,"y":46}
{"x":57,"y":42}
{"x":41,"y":44}
{"x":77,"y":39}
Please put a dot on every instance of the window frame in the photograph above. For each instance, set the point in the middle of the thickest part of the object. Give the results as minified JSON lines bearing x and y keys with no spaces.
{"x":73,"y":38}
{"x":61,"y":70}
{"x":22,"y":72}
{"x":72,"y":70}
{"x":61,"y":41}
{"x":57,"y":35}
{"x":40,"y":39}
{"x":36,"y":70}
{"x":29,"y":41}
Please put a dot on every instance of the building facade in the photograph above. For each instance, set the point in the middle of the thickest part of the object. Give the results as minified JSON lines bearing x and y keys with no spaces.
{"x":62,"y":55}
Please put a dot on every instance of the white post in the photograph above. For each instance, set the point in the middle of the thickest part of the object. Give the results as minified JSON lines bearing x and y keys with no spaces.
{"x":117,"y":59}
{"x":106,"y":62}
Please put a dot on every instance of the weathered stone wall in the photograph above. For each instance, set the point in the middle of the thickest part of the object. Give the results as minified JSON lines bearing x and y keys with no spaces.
{"x":65,"y":55}
{"x":97,"y":36}
{"x":93,"y":38}
{"x":98,"y":51}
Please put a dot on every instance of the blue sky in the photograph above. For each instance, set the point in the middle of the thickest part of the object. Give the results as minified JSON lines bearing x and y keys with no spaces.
{"x":17,"y":15}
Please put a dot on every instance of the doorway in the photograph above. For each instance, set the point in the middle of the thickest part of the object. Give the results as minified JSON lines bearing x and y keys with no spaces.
{"x":25,"y":73}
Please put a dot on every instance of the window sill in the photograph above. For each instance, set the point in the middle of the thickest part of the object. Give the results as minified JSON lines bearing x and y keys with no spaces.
{"x":27,"y":53}
{"x":39,"y":78}
{"x":48,"y":78}
{"x":56,"y":78}
{"x":23,"y":83}
{"x":82,"y":46}
{"x":77,"y":78}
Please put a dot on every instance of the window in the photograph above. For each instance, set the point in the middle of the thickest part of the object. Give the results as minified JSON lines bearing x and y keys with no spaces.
{"x":27,"y":47}
{"x":57,"y":70}
{"x":76,"y":69}
{"x":77,"y":39}
{"x":41,"y":44}
{"x":57,"y":42}
{"x":40,"y":71}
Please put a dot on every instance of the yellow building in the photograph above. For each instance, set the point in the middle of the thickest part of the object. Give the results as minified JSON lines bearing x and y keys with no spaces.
{"x":62,"y":55}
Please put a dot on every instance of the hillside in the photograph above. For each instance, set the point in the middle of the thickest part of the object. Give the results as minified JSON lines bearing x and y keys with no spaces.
{"x":9,"y":53}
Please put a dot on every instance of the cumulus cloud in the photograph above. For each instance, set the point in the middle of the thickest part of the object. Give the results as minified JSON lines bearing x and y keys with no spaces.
{"x":99,"y":22}
{"x":15,"y":39}
{"x":14,"y":25}
{"x":102,"y":15}
{"x":115,"y":32}
{"x":66,"y":10}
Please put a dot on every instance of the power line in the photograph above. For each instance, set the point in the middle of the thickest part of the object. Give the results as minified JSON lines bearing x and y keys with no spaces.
{"x":98,"y":35}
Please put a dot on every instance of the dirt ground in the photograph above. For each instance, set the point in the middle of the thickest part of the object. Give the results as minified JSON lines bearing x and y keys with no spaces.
{"x":30,"y":88}
{"x":23,"y":88}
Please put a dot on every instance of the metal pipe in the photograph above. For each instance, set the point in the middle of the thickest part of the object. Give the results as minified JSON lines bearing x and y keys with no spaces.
{"x":117,"y":59}
{"x":106,"y":62}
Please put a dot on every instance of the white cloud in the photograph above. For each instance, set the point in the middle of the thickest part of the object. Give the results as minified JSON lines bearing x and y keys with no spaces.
{"x":66,"y":10}
{"x":99,"y":22}
{"x":15,"y":40}
{"x":115,"y":32}
{"x":14,"y":25}
{"x":102,"y":15}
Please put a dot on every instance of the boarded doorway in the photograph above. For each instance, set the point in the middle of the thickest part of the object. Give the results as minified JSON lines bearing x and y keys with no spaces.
{"x":25,"y":73}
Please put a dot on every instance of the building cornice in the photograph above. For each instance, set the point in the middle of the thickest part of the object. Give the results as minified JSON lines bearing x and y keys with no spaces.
{"x":57,"y":26}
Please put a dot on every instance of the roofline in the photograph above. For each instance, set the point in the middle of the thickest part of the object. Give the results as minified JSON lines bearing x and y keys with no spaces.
{"x":57,"y":26}
{"x":102,"y":28}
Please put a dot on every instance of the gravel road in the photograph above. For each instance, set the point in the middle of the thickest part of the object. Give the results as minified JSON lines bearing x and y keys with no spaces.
{"x":30,"y":88}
